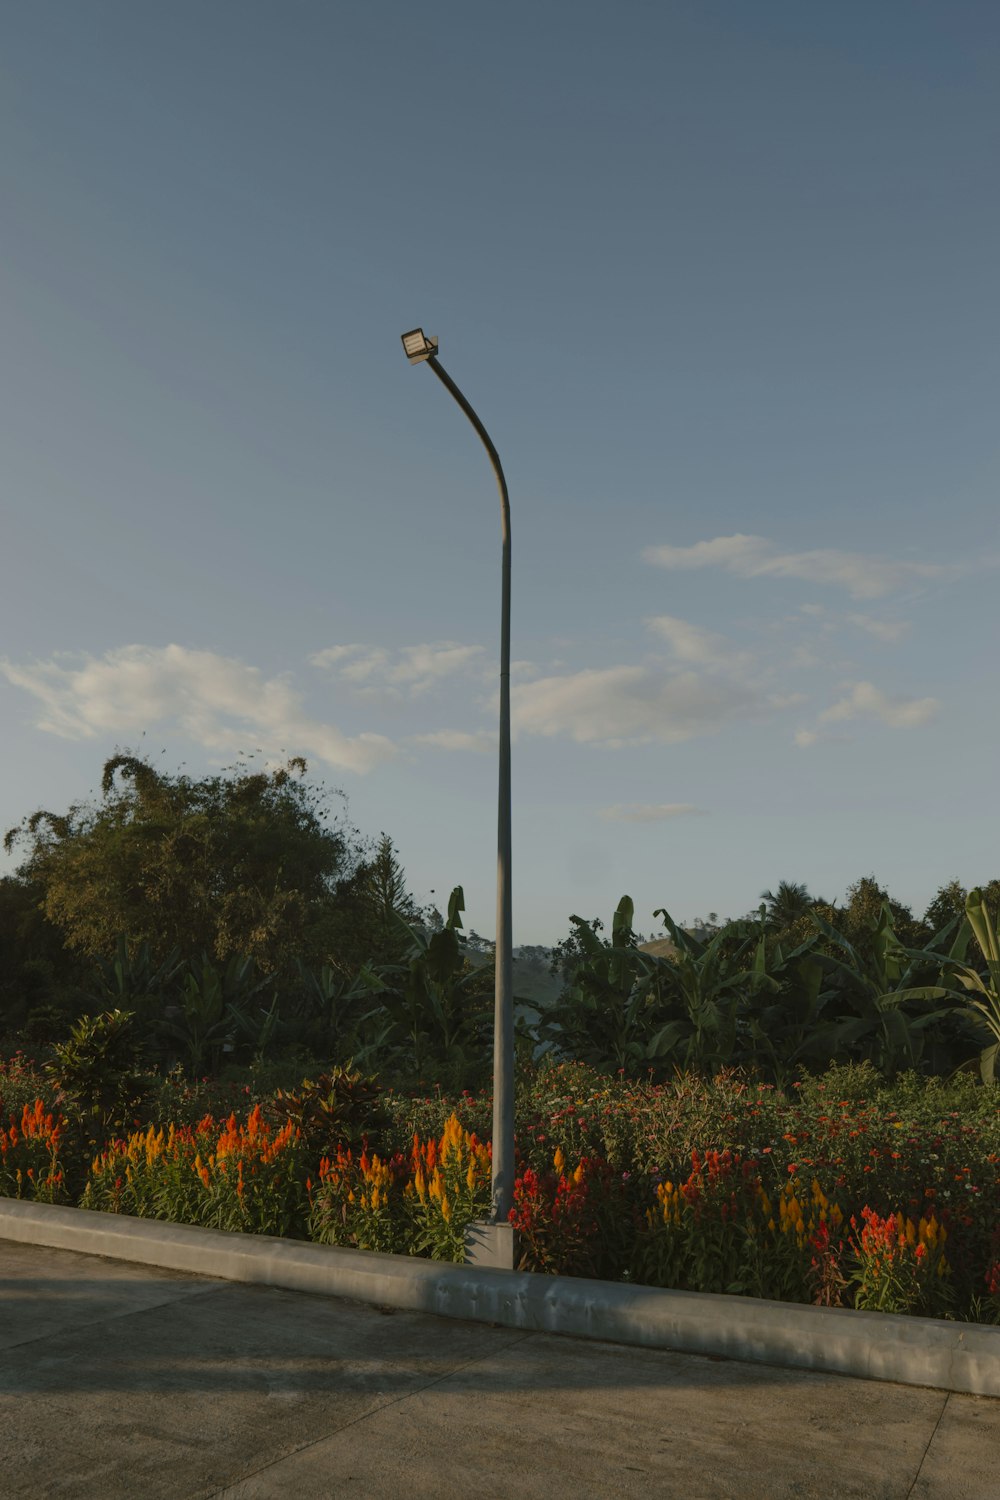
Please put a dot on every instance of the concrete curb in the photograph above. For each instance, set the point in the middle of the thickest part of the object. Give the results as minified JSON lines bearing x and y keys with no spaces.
{"x":963,"y":1357}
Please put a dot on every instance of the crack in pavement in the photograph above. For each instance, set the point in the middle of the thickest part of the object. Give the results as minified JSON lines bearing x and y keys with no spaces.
{"x":930,"y":1440}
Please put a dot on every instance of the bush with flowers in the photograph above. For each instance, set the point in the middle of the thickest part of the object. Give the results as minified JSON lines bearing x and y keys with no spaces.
{"x":31,"y":1161}
{"x":901,"y":1266}
{"x":575,"y":1220}
{"x":417,"y":1204}
{"x":844,"y":1190}
{"x":236,"y":1176}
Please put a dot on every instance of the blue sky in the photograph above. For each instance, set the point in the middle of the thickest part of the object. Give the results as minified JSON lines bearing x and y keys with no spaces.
{"x":721,"y":281}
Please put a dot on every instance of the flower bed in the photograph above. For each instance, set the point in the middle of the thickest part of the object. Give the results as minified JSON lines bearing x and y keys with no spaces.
{"x":847,"y":1192}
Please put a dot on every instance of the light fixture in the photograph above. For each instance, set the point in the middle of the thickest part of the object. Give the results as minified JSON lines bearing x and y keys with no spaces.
{"x":418,"y":346}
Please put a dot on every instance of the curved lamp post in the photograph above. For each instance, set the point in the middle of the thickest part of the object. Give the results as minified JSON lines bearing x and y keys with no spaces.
{"x":493,"y":1243}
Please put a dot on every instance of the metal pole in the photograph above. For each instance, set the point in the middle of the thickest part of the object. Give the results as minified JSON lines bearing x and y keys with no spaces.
{"x":503,"y":1011}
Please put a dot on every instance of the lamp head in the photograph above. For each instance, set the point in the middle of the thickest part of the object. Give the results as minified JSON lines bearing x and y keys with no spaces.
{"x":417,"y":346}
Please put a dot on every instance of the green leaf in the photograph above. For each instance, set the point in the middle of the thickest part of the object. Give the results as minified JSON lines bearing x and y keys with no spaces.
{"x":979,"y":920}
{"x":621,"y":922}
{"x":456,"y":905}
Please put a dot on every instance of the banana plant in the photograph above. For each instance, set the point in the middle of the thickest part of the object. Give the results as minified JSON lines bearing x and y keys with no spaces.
{"x":778,"y":1029}
{"x":134,"y":981}
{"x":433,"y":996}
{"x":710,"y":983}
{"x":340,"y":1009}
{"x":211,"y":1013}
{"x":982,"y":1002}
{"x":612,"y":1013}
{"x":879,"y":990}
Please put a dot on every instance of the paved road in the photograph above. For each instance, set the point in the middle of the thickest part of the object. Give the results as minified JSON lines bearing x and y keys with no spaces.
{"x":124,"y":1381}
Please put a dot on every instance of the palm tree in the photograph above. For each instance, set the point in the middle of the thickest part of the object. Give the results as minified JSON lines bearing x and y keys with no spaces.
{"x":787,"y":904}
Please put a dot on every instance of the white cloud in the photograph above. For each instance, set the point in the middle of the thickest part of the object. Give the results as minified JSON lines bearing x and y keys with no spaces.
{"x":418,"y":666}
{"x":415,"y":668}
{"x":694,"y":644}
{"x":217,"y":701}
{"x":633,"y":705}
{"x":332,"y":654}
{"x":889,"y":631}
{"x":863,"y":700}
{"x":756,"y":557}
{"x":648,"y":812}
{"x":866,"y":700}
{"x":457,"y":739}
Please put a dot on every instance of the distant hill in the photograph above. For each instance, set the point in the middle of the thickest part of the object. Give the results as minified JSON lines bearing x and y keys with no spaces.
{"x":535,"y":986}
{"x":660,"y":948}
{"x":532,"y":980}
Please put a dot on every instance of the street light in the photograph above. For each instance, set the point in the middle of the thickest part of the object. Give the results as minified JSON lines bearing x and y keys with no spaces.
{"x":418,"y":346}
{"x":492,"y":1243}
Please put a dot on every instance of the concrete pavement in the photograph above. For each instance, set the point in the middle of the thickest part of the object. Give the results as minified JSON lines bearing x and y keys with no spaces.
{"x":122,"y":1382}
{"x":932,"y":1352}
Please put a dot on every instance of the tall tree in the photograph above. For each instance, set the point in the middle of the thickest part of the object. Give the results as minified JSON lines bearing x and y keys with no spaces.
{"x":361,"y":926}
{"x":949,"y":902}
{"x":787,"y":904}
{"x":36,"y":970}
{"x":860,"y":916}
{"x":233,"y":863}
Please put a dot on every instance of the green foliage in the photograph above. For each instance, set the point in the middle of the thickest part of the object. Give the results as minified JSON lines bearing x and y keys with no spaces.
{"x":436,"y":1001}
{"x":948,"y":903}
{"x":887,"y":1013}
{"x":133,"y":980}
{"x":780,"y":1024}
{"x":336,"y":1012}
{"x":357,"y":973}
{"x":39,"y":977}
{"x":786,"y":905}
{"x":611,"y":1014}
{"x":709,"y":980}
{"x":629,"y":1010}
{"x":862,"y":915}
{"x":213,"y":1009}
{"x":777,"y":1000}
{"x":99,"y":1071}
{"x":235,"y":863}
{"x":983,"y":999}
{"x":847,"y":1188}
{"x":361,"y":927}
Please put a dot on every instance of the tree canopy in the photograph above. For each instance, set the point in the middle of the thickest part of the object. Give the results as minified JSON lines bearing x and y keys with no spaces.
{"x":788,"y":903}
{"x":240,"y":862}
